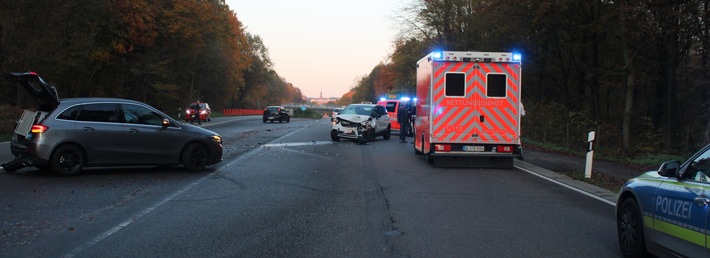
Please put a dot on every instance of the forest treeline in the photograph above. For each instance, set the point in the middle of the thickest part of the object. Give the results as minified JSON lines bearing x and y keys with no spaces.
{"x":167,"y":53}
{"x":634,"y":71}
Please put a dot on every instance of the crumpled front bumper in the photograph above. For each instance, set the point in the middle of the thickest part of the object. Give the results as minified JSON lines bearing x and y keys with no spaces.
{"x":351,"y":130}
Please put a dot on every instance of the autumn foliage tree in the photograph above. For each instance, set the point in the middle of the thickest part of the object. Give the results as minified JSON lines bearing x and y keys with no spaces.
{"x":167,"y":53}
{"x":634,"y":71}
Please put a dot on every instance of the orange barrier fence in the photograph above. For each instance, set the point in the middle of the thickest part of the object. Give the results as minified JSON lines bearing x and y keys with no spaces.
{"x":241,"y":112}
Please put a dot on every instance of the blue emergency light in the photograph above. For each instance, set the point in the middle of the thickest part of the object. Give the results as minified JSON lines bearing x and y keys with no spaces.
{"x":437,"y":55}
{"x":516,"y":57}
{"x":405,"y":99}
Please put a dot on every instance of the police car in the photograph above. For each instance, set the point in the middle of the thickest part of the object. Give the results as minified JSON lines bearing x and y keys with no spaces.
{"x":666,"y":212}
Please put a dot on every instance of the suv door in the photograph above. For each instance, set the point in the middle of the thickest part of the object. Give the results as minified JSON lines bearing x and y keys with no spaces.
{"x":383,"y":119}
{"x":148,"y":141}
{"x":99,"y":132}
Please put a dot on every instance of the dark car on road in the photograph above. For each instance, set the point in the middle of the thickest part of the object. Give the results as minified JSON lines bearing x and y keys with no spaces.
{"x":66,"y":135}
{"x":276,"y":113}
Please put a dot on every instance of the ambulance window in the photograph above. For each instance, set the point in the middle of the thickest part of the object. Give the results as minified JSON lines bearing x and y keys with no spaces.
{"x":391,"y":106}
{"x":496,"y":85}
{"x":455,"y":84}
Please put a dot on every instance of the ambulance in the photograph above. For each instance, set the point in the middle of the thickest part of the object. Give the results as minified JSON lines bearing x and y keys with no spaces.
{"x":468,"y":105}
{"x":391,"y":103}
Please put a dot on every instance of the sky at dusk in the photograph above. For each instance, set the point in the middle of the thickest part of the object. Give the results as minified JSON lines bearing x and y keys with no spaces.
{"x":322,"y":45}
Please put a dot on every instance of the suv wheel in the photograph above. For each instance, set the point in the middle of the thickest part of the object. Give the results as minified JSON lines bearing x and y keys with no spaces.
{"x":388,"y":132}
{"x":334,"y":135}
{"x":194,"y":157}
{"x":67,"y":160}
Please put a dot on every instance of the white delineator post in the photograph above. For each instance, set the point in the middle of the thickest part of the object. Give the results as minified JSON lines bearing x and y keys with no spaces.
{"x":590,"y":155}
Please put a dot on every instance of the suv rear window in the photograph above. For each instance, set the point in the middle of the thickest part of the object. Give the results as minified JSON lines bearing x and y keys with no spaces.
{"x":70,"y":113}
{"x":102,"y":112}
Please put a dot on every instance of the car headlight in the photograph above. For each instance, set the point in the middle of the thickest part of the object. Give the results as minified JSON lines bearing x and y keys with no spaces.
{"x":336,"y":120}
{"x":217,"y":139}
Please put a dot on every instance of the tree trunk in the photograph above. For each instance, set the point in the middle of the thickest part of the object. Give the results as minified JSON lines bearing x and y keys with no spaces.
{"x":629,"y":101}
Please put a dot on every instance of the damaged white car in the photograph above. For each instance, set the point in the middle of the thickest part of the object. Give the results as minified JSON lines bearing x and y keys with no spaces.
{"x":362,"y":123}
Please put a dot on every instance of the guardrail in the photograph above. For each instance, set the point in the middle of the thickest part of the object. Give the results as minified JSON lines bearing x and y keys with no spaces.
{"x":241,"y":112}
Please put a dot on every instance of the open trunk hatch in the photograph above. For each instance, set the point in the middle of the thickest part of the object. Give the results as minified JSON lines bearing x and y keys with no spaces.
{"x":45,"y":94}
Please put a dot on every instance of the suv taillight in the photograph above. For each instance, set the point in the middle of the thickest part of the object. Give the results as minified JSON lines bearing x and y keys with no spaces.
{"x":38,"y":128}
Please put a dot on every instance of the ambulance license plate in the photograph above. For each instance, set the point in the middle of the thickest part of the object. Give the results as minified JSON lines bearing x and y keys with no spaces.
{"x":474,"y":148}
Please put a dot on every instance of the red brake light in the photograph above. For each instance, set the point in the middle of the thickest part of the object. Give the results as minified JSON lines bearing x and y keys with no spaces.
{"x":442,"y":147}
{"x":39,"y":129}
{"x":505,"y":148}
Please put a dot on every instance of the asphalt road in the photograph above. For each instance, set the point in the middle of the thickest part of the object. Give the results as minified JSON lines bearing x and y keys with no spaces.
{"x":287,"y":190}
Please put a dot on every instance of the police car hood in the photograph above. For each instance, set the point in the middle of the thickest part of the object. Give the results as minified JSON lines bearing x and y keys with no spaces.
{"x":649,"y":176}
{"x":354,"y":118}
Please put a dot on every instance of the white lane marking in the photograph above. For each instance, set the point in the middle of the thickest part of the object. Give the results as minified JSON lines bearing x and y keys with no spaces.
{"x":567,"y":186}
{"x":160,"y":203}
{"x":290,"y":144}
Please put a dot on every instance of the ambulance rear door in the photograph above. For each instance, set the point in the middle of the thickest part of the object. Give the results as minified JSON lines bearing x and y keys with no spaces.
{"x":476,"y":103}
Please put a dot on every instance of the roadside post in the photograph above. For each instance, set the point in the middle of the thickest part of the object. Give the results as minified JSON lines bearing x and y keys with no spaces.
{"x":590,"y":155}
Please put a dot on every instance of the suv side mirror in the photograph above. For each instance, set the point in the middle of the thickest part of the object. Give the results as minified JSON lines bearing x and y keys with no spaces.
{"x":669,"y":168}
{"x":165,"y":123}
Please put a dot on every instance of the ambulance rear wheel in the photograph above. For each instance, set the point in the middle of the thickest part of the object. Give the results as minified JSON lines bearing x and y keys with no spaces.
{"x":429,"y":158}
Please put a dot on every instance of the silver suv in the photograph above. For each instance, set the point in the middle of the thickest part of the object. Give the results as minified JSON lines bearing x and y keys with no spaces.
{"x":69,"y":134}
{"x":362,"y":123}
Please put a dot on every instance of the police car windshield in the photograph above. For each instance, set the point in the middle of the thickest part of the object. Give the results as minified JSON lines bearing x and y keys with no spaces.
{"x":364,"y":110}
